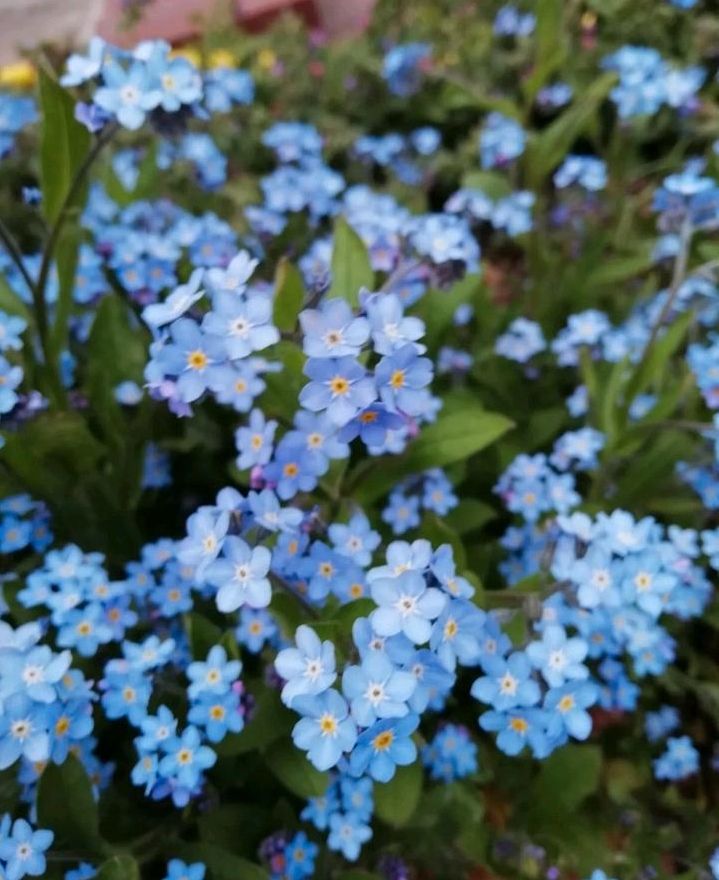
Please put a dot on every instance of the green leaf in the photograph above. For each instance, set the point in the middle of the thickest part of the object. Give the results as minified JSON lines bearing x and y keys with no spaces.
{"x":11,"y":303}
{"x":351,"y":267}
{"x":655,"y":361}
{"x":122,"y":867}
{"x":289,"y":295}
{"x":437,"y":307}
{"x":438,"y":532}
{"x":270,"y":721}
{"x":550,"y":48}
{"x":469,"y":516}
{"x":455,"y":436}
{"x":566,"y":778}
{"x":295,"y":772}
{"x":492,"y":184}
{"x":202,"y":635}
{"x":64,"y":144}
{"x":396,"y":801}
{"x":283,"y":387}
{"x":50,"y":454}
{"x":66,"y":805}
{"x":358,"y":875}
{"x":117,"y":351}
{"x":222,"y":864}
{"x":556,"y":140}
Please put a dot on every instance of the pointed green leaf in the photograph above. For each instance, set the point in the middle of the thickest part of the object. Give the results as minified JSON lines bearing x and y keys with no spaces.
{"x":122,"y":867}
{"x":66,"y":805}
{"x":295,"y":772}
{"x":396,"y":801}
{"x":351,"y":267}
{"x":64,"y":144}
{"x":289,"y":295}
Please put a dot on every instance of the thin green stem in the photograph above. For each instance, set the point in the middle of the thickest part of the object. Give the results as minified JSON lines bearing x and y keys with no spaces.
{"x":78,"y":181}
{"x":678,"y":276}
{"x":279,"y":581}
{"x":15,"y":254}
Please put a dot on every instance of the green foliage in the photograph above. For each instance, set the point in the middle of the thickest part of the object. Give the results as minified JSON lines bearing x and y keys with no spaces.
{"x":64,"y":145}
{"x":66,"y":805}
{"x":289,"y":295}
{"x":295,"y":772}
{"x":351,"y":269}
{"x":396,"y":800}
{"x":119,"y":868}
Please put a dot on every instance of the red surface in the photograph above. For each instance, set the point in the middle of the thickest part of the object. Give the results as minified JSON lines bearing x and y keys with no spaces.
{"x":180,"y":20}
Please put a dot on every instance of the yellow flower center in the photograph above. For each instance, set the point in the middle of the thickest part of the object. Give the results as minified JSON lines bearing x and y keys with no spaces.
{"x":397,"y":379}
{"x":197,"y":360}
{"x":339,"y":385}
{"x":383,"y":741}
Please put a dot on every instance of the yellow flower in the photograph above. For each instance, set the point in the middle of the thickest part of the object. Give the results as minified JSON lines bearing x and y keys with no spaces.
{"x":221,"y":58}
{"x":21,"y":74}
{"x":267,"y":59}
{"x":190,"y":53}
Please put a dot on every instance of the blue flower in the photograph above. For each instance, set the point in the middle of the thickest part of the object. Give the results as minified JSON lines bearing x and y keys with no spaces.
{"x":501,"y":141}
{"x":451,"y":754}
{"x":186,"y":758}
{"x":11,"y":327}
{"x":36,"y":673}
{"x":383,"y":747}
{"x":191,"y":356}
{"x":339,"y":386}
{"x":256,"y":628}
{"x":402,"y":512}
{"x":355,"y":539}
{"x":373,"y":425}
{"x":206,"y":531}
{"x":347,"y":834}
{"x":293,"y":470}
{"x":326,"y":731}
{"x":240,"y":575}
{"x":156,"y":730}
{"x":243,"y":324}
{"x":557,"y":657}
{"x":23,"y":851}
{"x":400,"y":376}
{"x":10,"y":378}
{"x":356,"y":796}
{"x":518,"y":728}
{"x":179,"y":870}
{"x":333,"y":331}
{"x":377,"y":689}
{"x":508,"y":683}
{"x":178,"y":80}
{"x":81,"y":68}
{"x":177,"y":303}
{"x":215,"y":675}
{"x":300,"y":855}
{"x":254,"y":442}
{"x":127,"y":94}
{"x":681,"y":759}
{"x":270,"y":515}
{"x":308,"y":669}
{"x":403,"y":65}
{"x":568,"y":704}
{"x":457,"y":634}
{"x":217,"y":715}
{"x":406,"y":606}
{"x":23,"y":731}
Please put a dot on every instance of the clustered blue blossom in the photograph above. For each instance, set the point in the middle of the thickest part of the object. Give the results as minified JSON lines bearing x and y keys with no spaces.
{"x":368,"y":386}
{"x":647,"y":82}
